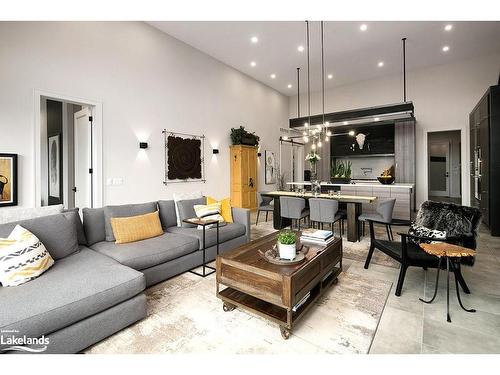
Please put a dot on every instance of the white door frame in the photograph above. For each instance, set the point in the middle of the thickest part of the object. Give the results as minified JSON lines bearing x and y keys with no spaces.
{"x":464,"y":157}
{"x":97,"y":176}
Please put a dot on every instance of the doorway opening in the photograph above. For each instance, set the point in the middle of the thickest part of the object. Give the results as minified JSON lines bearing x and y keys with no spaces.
{"x":68,"y":152}
{"x":444,"y":166}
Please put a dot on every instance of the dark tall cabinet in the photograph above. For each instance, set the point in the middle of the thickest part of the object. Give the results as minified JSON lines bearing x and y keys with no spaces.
{"x":484,"y":127}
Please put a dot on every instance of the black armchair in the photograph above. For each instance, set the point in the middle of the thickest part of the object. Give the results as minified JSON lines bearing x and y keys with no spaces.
{"x":458,"y":221}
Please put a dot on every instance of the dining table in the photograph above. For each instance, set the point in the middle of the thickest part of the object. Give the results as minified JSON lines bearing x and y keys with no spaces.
{"x":354,"y":205}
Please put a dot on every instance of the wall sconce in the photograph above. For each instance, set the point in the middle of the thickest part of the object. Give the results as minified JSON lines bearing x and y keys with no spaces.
{"x":143,"y":144}
{"x":215,"y":151}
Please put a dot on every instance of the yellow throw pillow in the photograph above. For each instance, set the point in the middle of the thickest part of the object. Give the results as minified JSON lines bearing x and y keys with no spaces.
{"x":22,"y":257}
{"x":225,"y":208}
{"x":136,"y":228}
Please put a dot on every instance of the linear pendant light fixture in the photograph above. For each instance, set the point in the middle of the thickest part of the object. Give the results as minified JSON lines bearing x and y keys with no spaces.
{"x":404,"y":69}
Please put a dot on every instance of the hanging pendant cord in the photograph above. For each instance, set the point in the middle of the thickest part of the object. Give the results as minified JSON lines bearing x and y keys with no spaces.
{"x":298,"y":92}
{"x":323,"y":72}
{"x":404,"y":69}
{"x":308,"y":77}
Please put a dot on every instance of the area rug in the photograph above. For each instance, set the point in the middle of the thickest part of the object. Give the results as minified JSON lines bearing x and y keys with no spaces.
{"x":185,"y":316}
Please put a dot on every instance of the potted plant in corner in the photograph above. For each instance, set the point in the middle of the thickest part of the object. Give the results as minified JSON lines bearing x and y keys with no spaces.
{"x":287,"y":244}
{"x":313,"y":158}
{"x":341,"y":172}
{"x":239,"y":136}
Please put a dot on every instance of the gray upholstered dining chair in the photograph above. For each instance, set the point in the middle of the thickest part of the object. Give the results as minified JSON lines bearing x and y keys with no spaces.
{"x":326,"y":211}
{"x":264,"y":204}
{"x":383,"y":213}
{"x":293,"y":208}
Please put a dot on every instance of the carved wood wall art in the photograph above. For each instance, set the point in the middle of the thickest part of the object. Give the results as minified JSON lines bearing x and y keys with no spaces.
{"x":184,"y":157}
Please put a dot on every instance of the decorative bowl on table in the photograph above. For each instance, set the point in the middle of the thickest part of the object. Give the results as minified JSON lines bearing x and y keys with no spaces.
{"x":386,"y":180}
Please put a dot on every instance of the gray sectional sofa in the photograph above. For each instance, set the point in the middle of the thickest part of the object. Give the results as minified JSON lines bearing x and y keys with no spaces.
{"x":96,"y":287}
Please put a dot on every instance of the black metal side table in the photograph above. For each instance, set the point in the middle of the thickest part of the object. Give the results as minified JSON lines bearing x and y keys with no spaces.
{"x":204,"y":223}
{"x":450,"y":254}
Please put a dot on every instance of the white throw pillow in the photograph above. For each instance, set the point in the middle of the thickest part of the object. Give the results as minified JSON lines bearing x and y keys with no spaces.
{"x":22,"y":257}
{"x":184,"y":196}
{"x":8,"y":215}
{"x":209,"y":212}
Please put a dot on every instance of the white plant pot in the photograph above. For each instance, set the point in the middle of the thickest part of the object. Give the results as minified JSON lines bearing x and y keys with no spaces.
{"x":287,"y":251}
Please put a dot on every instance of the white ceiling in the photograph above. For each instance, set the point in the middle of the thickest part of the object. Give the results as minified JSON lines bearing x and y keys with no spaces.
{"x":351,"y":55}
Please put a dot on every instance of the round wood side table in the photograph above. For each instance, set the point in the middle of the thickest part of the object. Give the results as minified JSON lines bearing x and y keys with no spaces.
{"x":451,"y":254}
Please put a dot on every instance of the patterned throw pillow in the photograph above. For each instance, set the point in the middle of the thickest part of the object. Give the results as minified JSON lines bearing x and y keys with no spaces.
{"x":22,"y":257}
{"x":419,"y":230}
{"x":209,"y":212}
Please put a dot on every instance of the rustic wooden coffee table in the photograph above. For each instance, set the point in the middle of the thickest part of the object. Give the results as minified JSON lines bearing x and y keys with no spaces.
{"x":272,"y":291}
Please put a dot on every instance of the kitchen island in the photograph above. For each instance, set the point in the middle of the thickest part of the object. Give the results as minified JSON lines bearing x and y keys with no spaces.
{"x":403,"y":192}
{"x":354,"y":209}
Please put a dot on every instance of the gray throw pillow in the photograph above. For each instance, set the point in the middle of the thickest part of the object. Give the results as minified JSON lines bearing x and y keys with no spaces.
{"x":58,"y":233}
{"x":186,"y":210}
{"x":125,"y":210}
{"x":73,"y":214}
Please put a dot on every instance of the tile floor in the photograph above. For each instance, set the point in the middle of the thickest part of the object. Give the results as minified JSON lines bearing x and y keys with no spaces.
{"x":410,"y":326}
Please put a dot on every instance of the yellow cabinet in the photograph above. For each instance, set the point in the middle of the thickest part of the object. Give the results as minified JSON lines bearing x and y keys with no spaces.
{"x":244,"y":176}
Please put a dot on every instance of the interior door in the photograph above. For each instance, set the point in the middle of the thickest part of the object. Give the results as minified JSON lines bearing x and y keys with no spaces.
{"x":83,"y":158}
{"x":439,"y":169}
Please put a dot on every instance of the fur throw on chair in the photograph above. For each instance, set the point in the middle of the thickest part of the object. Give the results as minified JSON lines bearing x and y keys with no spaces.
{"x":456,"y":221}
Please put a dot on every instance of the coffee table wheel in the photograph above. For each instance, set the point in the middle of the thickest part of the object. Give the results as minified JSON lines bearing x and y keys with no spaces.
{"x":285,"y":332}
{"x":228,"y":307}
{"x":336,"y":281}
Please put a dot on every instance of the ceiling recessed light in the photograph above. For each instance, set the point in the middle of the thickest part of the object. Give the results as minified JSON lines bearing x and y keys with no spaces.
{"x":380,"y":64}
{"x":376,"y":119}
{"x":253,"y":63}
{"x":300,"y":48}
{"x":289,"y":86}
{"x":346,"y":122}
{"x":273,"y":76}
{"x":446,"y":48}
{"x":448,"y":27}
{"x":351,"y":133}
{"x":363,"y":27}
{"x":306,"y":124}
{"x":254,"y":39}
{"x":330,"y":76}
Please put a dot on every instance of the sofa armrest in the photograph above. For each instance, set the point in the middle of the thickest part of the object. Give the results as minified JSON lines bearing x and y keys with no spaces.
{"x":242,"y":216}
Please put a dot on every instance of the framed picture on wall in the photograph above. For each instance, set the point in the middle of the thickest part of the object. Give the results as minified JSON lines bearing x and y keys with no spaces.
{"x":270,"y":177}
{"x":55,"y":168}
{"x":8,"y":180}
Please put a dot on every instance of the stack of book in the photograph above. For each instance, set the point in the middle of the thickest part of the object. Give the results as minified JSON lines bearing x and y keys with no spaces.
{"x":317,"y":236}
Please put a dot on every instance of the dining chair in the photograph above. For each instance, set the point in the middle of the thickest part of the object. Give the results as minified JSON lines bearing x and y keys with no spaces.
{"x":264,"y":204}
{"x":326,"y":211}
{"x":293,"y":208}
{"x":383,"y":214}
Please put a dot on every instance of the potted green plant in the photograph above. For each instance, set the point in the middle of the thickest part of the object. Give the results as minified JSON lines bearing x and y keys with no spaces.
{"x":313,"y":158}
{"x":239,"y":136}
{"x":341,"y":172}
{"x":287,"y":244}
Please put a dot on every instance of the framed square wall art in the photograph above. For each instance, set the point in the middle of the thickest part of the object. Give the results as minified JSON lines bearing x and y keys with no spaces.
{"x":270,"y":177}
{"x":55,"y":168}
{"x":184,"y":157}
{"x":8,"y":180}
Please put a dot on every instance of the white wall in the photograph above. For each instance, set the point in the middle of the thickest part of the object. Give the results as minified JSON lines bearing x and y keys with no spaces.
{"x":443,"y":96}
{"x":146,"y":81}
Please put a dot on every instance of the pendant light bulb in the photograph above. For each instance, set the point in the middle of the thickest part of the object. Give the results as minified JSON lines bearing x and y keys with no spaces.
{"x":320,"y":144}
{"x":306,"y":139}
{"x":313,"y":146}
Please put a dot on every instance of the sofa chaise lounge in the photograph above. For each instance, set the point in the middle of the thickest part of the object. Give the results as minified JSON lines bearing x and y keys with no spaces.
{"x":96,"y":287}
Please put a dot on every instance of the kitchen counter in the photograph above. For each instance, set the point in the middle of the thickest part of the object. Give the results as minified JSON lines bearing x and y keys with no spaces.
{"x":358,"y":184}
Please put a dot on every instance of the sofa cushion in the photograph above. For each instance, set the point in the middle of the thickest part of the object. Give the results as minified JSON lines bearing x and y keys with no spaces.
{"x":125,"y":210}
{"x":93,"y":225}
{"x":76,"y":287}
{"x":148,"y":253}
{"x":226,"y":233}
{"x":73,"y":214}
{"x":167,"y":213}
{"x":57,"y":232}
{"x":186,"y":209}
